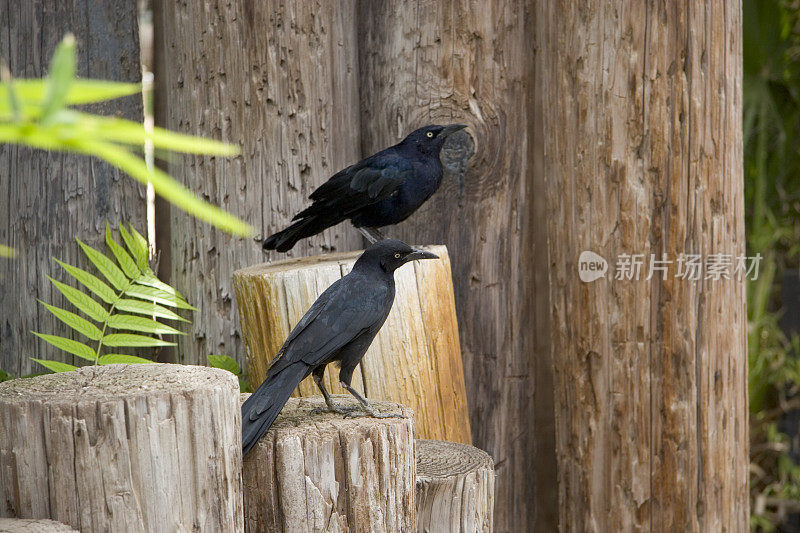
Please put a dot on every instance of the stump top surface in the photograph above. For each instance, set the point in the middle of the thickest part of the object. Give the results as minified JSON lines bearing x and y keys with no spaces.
{"x":440,"y":459}
{"x":298,"y":263}
{"x":100,"y":382}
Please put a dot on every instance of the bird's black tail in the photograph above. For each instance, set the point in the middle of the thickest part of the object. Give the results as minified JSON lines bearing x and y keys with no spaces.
{"x":261,"y":409}
{"x":284,"y":240}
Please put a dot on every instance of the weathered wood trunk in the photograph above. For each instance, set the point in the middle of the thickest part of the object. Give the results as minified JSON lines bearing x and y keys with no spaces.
{"x":472,"y":62}
{"x":415,"y":359}
{"x":50,"y":198}
{"x":641,"y":103}
{"x":22,"y":525}
{"x":455,"y":488}
{"x":278,"y":78}
{"x":318,"y":471}
{"x":123,"y":448}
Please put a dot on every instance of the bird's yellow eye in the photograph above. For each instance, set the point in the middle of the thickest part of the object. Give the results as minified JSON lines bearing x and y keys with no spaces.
{"x":397,"y":256}
{"x":430,"y":134}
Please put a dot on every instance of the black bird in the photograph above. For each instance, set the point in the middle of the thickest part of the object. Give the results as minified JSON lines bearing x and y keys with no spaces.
{"x":383,"y":189}
{"x":339,"y":327}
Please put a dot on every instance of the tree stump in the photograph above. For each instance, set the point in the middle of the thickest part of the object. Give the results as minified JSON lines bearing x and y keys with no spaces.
{"x":455,"y":487}
{"x":152,"y":447}
{"x":415,"y":360}
{"x":29,"y":525}
{"x":319,"y":471}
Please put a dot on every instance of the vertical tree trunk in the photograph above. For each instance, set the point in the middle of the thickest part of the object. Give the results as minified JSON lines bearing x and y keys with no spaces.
{"x":471,"y":62}
{"x":48,"y":198}
{"x":641,"y":106}
{"x":279,"y":78}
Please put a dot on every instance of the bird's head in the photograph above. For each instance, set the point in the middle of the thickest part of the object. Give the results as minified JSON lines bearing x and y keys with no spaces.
{"x":429,"y":139}
{"x":391,"y":254}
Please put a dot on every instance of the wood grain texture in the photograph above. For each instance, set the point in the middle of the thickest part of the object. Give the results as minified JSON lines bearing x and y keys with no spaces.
{"x":279,"y":79}
{"x":22,"y":525}
{"x":455,"y":488}
{"x":124,"y":448}
{"x":317,"y":471}
{"x":641,"y":102}
{"x":415,"y":358}
{"x":48,"y":198}
{"x":472,"y":62}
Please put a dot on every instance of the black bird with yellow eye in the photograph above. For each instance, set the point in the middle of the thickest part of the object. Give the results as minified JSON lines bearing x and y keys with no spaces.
{"x":383,"y":189}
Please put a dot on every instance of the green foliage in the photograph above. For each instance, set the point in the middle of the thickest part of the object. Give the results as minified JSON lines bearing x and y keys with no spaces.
{"x":771,"y":131}
{"x":228,"y":363}
{"x":7,"y":251}
{"x":36,"y":113}
{"x":129,"y":286}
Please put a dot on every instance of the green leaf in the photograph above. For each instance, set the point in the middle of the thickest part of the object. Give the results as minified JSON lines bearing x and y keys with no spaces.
{"x":138,"y":323}
{"x":68,"y":345}
{"x":156,"y":295}
{"x":7,"y":251}
{"x":164,"y":185}
{"x":140,"y":253}
{"x":224,"y":362}
{"x":79,"y":324}
{"x":148,"y":309}
{"x":55,"y":366}
{"x":123,"y":258}
{"x":129,"y":339}
{"x":106,"y":266}
{"x":32,"y":91}
{"x":151,"y":281}
{"x":5,"y":376}
{"x":82,"y":301}
{"x":91,"y":282}
{"x":121,"y":358}
{"x":62,"y":72}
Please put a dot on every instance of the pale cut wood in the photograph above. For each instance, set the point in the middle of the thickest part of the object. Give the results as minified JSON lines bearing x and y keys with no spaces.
{"x":415,"y":358}
{"x":455,"y":488}
{"x":318,"y":471}
{"x":279,"y":79}
{"x":641,"y":104}
{"x":150,"y":447}
{"x":25,"y":525}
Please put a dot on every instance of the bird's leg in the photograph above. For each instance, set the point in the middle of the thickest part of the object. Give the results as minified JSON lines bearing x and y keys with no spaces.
{"x":373,"y":235}
{"x":318,"y":374}
{"x":366,"y":405}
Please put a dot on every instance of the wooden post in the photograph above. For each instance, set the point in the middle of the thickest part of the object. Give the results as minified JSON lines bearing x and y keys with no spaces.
{"x":472,"y":62}
{"x":49,"y":198}
{"x":641,"y":104}
{"x":23,"y":525}
{"x":455,"y":488}
{"x":318,"y":471}
{"x":279,"y":78}
{"x":415,"y":359}
{"x":150,"y":447}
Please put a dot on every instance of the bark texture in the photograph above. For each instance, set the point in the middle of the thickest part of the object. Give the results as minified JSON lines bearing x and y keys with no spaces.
{"x":318,"y":471}
{"x":21,"y":525}
{"x":472,"y":62}
{"x":415,"y":359}
{"x":48,"y":198}
{"x":149,"y":447}
{"x":641,"y":102}
{"x":278,"y":78}
{"x":455,"y":488}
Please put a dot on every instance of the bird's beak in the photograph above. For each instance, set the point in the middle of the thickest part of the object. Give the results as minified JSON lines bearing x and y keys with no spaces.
{"x":420,"y":254}
{"x":452,"y":128}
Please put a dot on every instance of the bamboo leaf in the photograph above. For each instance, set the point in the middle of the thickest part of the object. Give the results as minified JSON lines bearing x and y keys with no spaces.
{"x":91,"y":282}
{"x":55,"y":366}
{"x":62,"y":72}
{"x":139,"y":253}
{"x":148,"y":309}
{"x":224,"y":362}
{"x":79,"y":324}
{"x":156,"y":295}
{"x":138,"y":323}
{"x":132,"y":340}
{"x":32,"y":91}
{"x":106,"y":266}
{"x":82,"y":301}
{"x":68,"y":345}
{"x":123,"y":258}
{"x":121,"y":358}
